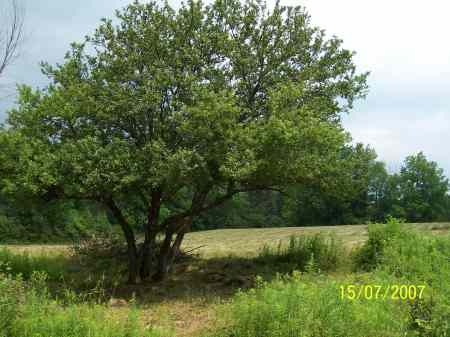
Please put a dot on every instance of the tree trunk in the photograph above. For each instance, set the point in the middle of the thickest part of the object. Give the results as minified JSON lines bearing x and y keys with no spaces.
{"x":170,"y":251}
{"x":150,"y":235}
{"x":175,"y":250}
{"x":146,"y":255}
{"x":133,"y":265}
{"x":162,"y":268}
{"x":178,"y":224}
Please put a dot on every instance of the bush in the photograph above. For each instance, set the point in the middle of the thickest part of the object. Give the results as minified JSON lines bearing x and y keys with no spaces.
{"x":101,"y":250}
{"x":316,"y":252}
{"x":370,"y":254}
{"x":413,"y":258}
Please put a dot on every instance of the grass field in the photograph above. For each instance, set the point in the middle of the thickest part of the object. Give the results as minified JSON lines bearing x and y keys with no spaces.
{"x":247,"y":241}
{"x":190,"y":302}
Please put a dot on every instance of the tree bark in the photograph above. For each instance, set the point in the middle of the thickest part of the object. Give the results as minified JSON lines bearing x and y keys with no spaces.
{"x":175,"y":250}
{"x":146,"y":255}
{"x":151,"y":232}
{"x":133,"y":265}
{"x":170,"y":251}
{"x":162,"y":268}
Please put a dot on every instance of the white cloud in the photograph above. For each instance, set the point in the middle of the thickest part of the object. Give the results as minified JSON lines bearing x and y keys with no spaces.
{"x":404,"y":45}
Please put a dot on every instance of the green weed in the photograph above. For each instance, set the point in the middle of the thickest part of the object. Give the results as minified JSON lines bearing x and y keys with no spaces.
{"x":54,"y":265}
{"x":27,"y":310}
{"x":310,"y":252}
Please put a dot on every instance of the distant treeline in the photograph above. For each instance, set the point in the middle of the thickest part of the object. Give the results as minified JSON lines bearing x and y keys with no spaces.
{"x":363,"y":193}
{"x":360,"y":193}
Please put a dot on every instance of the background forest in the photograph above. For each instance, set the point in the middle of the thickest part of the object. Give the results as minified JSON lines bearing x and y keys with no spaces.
{"x":364,"y":191}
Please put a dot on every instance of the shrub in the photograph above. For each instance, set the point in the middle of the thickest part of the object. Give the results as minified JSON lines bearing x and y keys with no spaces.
{"x":413,"y":258}
{"x":370,"y":254}
{"x":315,"y":252}
{"x":101,"y":251}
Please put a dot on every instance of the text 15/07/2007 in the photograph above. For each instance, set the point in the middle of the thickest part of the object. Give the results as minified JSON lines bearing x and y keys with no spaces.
{"x":376,"y":292}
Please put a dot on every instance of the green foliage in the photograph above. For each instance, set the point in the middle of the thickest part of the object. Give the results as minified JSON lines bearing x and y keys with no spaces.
{"x":303,"y":307}
{"x":315,"y":253}
{"x":371,"y":253}
{"x":237,"y":120}
{"x":11,"y":229}
{"x":361,"y":190}
{"x":309,"y":305}
{"x":340,"y":198}
{"x":413,"y":258}
{"x":416,"y":258}
{"x":379,"y":192}
{"x":423,"y":189}
{"x":11,"y":295}
{"x":27,"y":310}
{"x":30,"y":219}
{"x":253,"y":209}
{"x":418,"y":193}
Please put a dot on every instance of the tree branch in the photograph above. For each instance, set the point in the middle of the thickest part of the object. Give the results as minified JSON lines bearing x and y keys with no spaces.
{"x":171,"y":222}
{"x":12,"y":37}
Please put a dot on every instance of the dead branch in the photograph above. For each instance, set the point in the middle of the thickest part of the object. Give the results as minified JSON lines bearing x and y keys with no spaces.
{"x":11,"y":34}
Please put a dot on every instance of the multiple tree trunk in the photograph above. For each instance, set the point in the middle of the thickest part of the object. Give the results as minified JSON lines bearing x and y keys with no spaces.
{"x":141,"y":261}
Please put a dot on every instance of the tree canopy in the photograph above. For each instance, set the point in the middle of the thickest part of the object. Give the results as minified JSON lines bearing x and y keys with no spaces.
{"x":421,"y":190}
{"x":197,"y":104}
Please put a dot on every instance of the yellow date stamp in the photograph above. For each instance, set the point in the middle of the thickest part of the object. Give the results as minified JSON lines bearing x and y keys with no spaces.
{"x":381,"y":292}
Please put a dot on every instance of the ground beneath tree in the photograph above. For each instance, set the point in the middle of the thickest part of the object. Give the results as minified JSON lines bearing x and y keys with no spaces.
{"x":189,"y":302}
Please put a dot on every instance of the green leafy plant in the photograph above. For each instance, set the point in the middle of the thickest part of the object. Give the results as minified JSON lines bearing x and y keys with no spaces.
{"x":28,"y":310}
{"x":370,"y":254}
{"x":313,"y":252}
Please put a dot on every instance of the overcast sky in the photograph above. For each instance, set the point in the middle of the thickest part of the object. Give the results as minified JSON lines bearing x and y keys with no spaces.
{"x":403,"y":43}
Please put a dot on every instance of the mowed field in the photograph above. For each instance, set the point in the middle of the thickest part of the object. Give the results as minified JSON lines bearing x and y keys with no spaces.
{"x":247,"y":242}
{"x":190,"y":302}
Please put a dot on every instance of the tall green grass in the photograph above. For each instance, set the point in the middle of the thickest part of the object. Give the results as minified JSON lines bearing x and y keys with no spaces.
{"x":310,"y":305}
{"x":27,"y":310}
{"x":62,"y":268}
{"x":13,"y":263}
{"x":312,"y":252}
{"x":415,"y":258}
{"x":303,"y":306}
